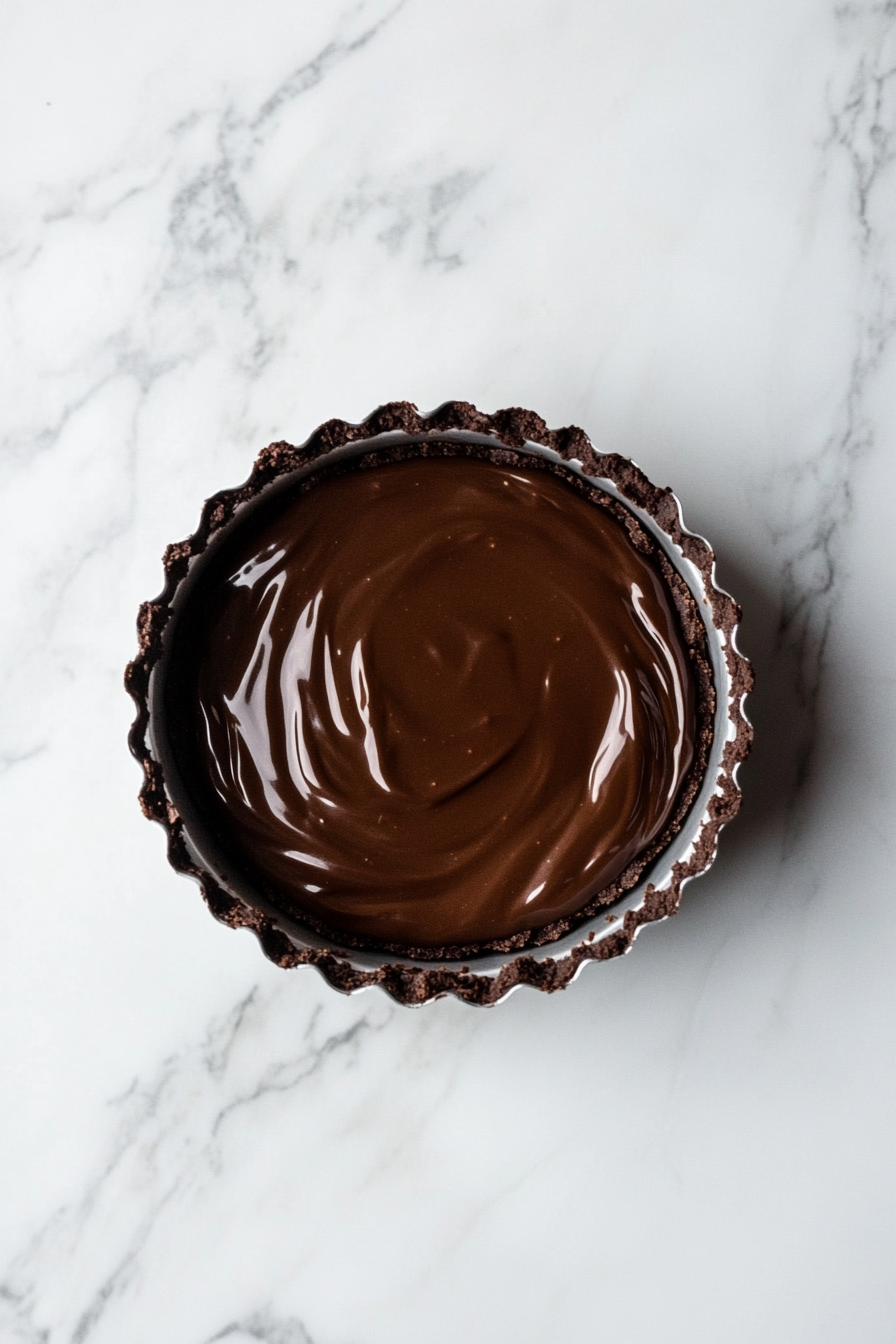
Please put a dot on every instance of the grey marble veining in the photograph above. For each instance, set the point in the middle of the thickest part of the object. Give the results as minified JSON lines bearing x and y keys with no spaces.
{"x":816,"y":491}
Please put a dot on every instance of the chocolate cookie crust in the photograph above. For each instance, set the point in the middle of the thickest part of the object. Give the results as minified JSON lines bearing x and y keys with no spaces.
{"x":501,"y":440}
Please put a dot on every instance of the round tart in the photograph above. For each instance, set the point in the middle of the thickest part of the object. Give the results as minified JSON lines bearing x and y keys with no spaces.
{"x":447,"y":704}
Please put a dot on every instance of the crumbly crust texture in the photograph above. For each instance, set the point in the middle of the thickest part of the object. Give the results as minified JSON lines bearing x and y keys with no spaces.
{"x":508,"y":432}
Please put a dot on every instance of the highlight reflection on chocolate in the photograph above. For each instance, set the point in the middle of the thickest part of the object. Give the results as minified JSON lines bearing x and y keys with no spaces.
{"x":431,"y":703}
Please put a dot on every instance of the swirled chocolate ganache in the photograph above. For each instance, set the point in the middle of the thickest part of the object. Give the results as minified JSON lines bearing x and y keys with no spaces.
{"x":430,"y":703}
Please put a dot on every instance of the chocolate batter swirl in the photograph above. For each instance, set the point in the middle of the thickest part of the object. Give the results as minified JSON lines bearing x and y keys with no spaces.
{"x":436,"y":702}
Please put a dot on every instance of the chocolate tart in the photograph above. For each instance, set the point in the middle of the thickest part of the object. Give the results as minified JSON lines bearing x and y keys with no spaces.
{"x":446,"y":704}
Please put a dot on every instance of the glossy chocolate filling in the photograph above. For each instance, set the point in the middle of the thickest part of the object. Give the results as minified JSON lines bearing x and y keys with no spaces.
{"x":436,"y":702}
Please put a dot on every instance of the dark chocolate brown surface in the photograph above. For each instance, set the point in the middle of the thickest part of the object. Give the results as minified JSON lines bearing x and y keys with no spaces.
{"x":437,"y":702}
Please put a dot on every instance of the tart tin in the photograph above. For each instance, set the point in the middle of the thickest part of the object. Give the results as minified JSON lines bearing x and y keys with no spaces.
{"x":490,"y":976}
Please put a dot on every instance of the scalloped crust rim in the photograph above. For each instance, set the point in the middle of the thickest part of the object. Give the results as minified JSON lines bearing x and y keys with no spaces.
{"x":416,"y":985}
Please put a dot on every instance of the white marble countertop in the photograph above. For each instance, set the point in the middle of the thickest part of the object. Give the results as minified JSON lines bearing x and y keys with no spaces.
{"x":671,"y":223}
